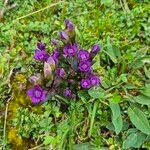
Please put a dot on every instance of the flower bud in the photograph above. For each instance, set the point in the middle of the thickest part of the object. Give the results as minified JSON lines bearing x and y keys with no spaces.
{"x":67,"y":92}
{"x":95,"y":49}
{"x":54,"y":42}
{"x":35,"y":79}
{"x":49,"y":66}
{"x":63,"y":35}
{"x":41,"y":46}
{"x":60,"y":72}
{"x":69,"y":25}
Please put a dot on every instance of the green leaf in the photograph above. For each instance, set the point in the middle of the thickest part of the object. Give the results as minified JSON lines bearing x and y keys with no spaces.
{"x":107,"y":2}
{"x":83,"y":146}
{"x":116,"y":117}
{"x":79,"y":35}
{"x":96,"y":92}
{"x":116,"y":98}
{"x":110,"y":51}
{"x":138,"y":63}
{"x":47,"y":140}
{"x":92,"y":118}
{"x":130,"y":141}
{"x":139,"y":119}
{"x":147,"y":72}
{"x":110,"y":126}
{"x":142,"y":99}
{"x":84,"y":96}
{"x":146,"y":92}
{"x":141,"y":137}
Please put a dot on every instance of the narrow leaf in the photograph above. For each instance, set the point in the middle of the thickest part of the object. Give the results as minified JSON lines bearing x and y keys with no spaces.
{"x":110,"y":51}
{"x":92,"y":118}
{"x":116,"y":117}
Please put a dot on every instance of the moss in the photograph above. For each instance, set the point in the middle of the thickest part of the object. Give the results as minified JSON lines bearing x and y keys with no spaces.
{"x":19,"y":99}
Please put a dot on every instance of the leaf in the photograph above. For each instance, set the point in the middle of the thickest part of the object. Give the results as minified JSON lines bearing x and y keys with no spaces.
{"x":116,"y":117}
{"x":125,"y":126}
{"x":82,"y":146}
{"x":79,"y":35}
{"x":141,"y":137}
{"x":110,"y":51}
{"x":116,"y":51}
{"x":96,"y":92}
{"x":107,"y":2}
{"x":142,"y":99}
{"x":138,"y":63}
{"x":147,"y":72}
{"x":47,"y":140}
{"x":92,"y":118}
{"x":146,"y":92}
{"x":110,"y":126}
{"x":116,"y":98}
{"x":130,"y":141}
{"x":139,"y":119}
{"x":84,"y":96}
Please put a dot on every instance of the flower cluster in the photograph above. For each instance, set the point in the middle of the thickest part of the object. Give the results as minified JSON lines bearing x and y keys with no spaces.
{"x":66,"y":70}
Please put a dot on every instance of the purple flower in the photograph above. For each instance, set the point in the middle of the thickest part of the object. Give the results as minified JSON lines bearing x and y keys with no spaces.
{"x":55,"y":55}
{"x":63,"y":35}
{"x":85,"y":83}
{"x":70,"y":49}
{"x":83,"y":55}
{"x":41,"y":46}
{"x":85,"y":66}
{"x":95,"y":49}
{"x":69,"y":24}
{"x":54,"y":42}
{"x":36,"y":94}
{"x":67,"y":92}
{"x":41,"y":55}
{"x":95,"y":81}
{"x":60,"y":72}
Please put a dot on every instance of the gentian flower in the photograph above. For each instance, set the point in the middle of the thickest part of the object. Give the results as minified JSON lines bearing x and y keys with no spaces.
{"x":36,"y":94}
{"x":70,"y":49}
{"x":41,"y":55}
{"x":85,"y":66}
{"x":85,"y":83}
{"x":41,"y":46}
{"x":83,"y":55}
{"x":67,"y":92}
{"x":69,"y":24}
{"x":60,"y":72}
{"x":54,"y":42}
{"x":63,"y":35}
{"x":55,"y":55}
{"x":95,"y":81}
{"x":95,"y":49}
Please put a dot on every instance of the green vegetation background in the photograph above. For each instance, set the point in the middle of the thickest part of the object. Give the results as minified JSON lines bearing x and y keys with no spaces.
{"x":113,"y":116}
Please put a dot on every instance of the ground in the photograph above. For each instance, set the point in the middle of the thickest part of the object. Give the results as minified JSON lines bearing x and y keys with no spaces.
{"x":113,"y":116}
